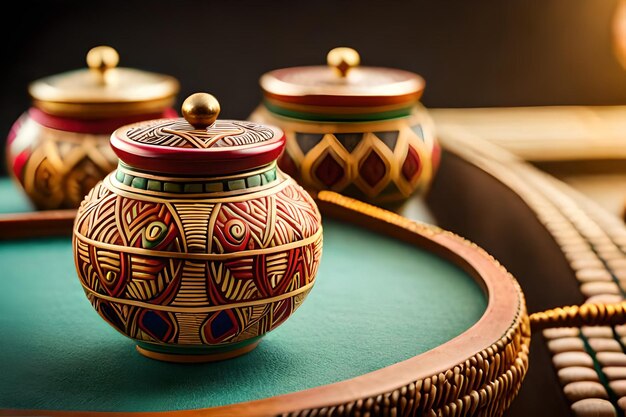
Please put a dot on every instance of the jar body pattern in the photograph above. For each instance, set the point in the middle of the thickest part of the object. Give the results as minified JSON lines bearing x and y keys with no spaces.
{"x":197,"y":265}
{"x":56,"y":168}
{"x":380,"y":161}
{"x":58,"y":160}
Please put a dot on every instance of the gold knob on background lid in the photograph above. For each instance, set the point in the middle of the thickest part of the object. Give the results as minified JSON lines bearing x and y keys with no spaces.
{"x":200,"y":110}
{"x":101,"y":59}
{"x":343,"y":59}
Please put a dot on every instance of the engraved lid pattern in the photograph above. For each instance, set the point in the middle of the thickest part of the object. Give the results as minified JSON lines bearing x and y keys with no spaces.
{"x":198,"y":144}
{"x":178,"y":133}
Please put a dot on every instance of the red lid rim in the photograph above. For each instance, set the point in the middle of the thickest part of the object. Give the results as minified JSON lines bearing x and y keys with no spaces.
{"x":196,"y":161}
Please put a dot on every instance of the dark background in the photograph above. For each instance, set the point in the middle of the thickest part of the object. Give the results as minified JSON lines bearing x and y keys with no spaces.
{"x":472,"y":53}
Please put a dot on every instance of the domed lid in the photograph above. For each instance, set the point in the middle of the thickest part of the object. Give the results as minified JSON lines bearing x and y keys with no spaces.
{"x":341,"y":90}
{"x":103,"y":89}
{"x":197,"y":144}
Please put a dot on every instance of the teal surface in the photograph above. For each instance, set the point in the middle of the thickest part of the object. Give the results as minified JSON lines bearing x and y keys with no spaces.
{"x":12,"y":197}
{"x":376,"y":302}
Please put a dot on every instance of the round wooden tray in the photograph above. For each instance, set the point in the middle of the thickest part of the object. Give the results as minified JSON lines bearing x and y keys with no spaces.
{"x":475,"y":366}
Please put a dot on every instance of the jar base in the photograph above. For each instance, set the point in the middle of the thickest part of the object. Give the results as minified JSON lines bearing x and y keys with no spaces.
{"x":193,"y":355}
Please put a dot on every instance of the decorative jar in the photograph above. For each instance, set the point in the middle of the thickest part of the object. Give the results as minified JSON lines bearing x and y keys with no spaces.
{"x":356,"y":130}
{"x":198,"y":244}
{"x":59,"y":149}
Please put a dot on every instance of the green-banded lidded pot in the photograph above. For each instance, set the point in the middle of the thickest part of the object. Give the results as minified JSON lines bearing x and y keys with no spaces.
{"x":357,"y":130}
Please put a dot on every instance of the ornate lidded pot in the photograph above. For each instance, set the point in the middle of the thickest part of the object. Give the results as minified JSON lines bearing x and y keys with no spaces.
{"x":59,"y":149}
{"x":198,"y":244}
{"x":357,"y":130}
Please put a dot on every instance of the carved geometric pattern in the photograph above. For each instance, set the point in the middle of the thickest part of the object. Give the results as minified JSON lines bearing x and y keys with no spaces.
{"x":381,"y":162}
{"x":307,"y":141}
{"x":195,"y":219}
{"x":188,"y":323}
{"x":419,"y":131}
{"x":411,"y":166}
{"x":388,"y":138}
{"x":193,"y":288}
{"x":180,"y":134}
{"x":57,"y":168}
{"x":349,"y":140}
{"x":329,"y":171}
{"x":168,"y":270}
{"x":372,"y":169}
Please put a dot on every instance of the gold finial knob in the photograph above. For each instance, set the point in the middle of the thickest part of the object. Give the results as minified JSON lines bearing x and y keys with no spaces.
{"x":201,"y":110}
{"x":102,"y":58}
{"x":343,"y":59}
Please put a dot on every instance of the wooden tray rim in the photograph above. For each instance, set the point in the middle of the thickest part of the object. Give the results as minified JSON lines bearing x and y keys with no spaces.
{"x":504,"y":315}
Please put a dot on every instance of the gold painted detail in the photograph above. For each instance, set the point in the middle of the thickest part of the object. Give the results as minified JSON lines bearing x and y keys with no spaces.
{"x":201,"y":110}
{"x":193,"y":289}
{"x":104,"y":110}
{"x":200,"y":309}
{"x":61,"y":167}
{"x":342,"y":60}
{"x":188,"y":324}
{"x":100,"y":60}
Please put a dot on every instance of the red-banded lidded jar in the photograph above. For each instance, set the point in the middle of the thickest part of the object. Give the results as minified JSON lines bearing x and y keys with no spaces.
{"x":197,"y":245}
{"x":59,"y":149}
{"x":357,"y":130}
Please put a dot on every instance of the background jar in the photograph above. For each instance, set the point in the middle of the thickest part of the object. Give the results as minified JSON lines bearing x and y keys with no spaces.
{"x":360,"y":131}
{"x":59,"y":148}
